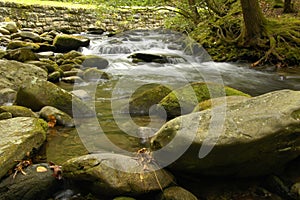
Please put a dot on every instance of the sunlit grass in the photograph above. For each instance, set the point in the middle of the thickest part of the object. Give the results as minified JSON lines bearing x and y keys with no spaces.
{"x":51,"y":3}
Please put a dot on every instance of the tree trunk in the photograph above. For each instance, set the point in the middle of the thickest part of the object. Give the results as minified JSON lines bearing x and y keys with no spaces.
{"x":288,"y":8}
{"x":254,"y":21}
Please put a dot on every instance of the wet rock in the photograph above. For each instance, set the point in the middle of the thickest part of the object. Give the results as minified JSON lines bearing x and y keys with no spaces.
{"x":14,"y":74}
{"x":94,"y":61}
{"x":62,"y":118}
{"x":27,"y":35}
{"x":192,"y":94}
{"x":94,"y":75}
{"x":229,"y":100}
{"x":5,"y":115}
{"x":145,"y":97}
{"x":126,"y":177}
{"x":7,"y":96}
{"x":46,"y":47}
{"x":21,"y":55}
{"x":39,"y":93}
{"x":157,"y":58}
{"x":18,"y":136}
{"x":54,"y":77}
{"x":45,"y":54}
{"x":18,"y":111}
{"x":72,"y":54}
{"x":177,"y":193}
{"x":258,"y":137}
{"x":32,"y":186}
{"x":15,"y":44}
{"x":95,"y":30}
{"x":68,"y":67}
{"x":72,"y":79}
{"x":4,"y":31}
{"x":64,"y":43}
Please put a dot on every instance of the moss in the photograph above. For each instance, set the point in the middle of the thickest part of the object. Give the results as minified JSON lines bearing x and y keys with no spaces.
{"x":184,"y":99}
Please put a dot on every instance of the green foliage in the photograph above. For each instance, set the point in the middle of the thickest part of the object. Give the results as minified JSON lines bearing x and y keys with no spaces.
{"x":117,"y":2}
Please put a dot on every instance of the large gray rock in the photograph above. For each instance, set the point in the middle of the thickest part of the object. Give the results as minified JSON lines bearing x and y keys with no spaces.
{"x":13,"y":74}
{"x":39,"y":93}
{"x":259,"y":136}
{"x":18,"y":136}
{"x":129,"y":175}
{"x":34,"y":185}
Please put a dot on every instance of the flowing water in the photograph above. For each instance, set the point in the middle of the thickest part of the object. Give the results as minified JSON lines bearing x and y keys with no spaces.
{"x":114,"y":130}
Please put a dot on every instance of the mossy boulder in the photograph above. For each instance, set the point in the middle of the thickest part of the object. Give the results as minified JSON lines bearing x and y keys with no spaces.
{"x":15,"y":44}
{"x":14,"y":74}
{"x":19,"y":136}
{"x":18,"y":111}
{"x":192,"y":94}
{"x":21,"y":54}
{"x":72,"y":54}
{"x":115,"y":174}
{"x":258,"y":136}
{"x":228,"y":100}
{"x":147,"y":96}
{"x":27,"y":35}
{"x":39,"y":93}
{"x":65,"y":43}
{"x":94,"y":74}
{"x":94,"y":61}
{"x":5,"y":115}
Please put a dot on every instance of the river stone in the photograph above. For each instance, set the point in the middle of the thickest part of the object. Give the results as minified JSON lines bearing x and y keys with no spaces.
{"x":218,"y":102}
{"x":177,"y":193}
{"x":39,"y":93}
{"x":192,"y":94}
{"x":21,"y":55}
{"x":72,"y":54}
{"x":5,"y":115}
{"x":27,"y":35}
{"x":4,"y":31}
{"x":95,"y":170}
{"x":46,"y":47}
{"x":260,"y":135}
{"x":18,"y":111}
{"x":65,"y":43}
{"x":94,"y":61}
{"x":72,"y":79}
{"x":94,"y":75}
{"x":13,"y":74}
{"x":33,"y":185}
{"x":7,"y":96}
{"x":145,"y":97}
{"x":15,"y":44}
{"x":62,"y":118}
{"x":157,"y":58}
{"x":10,"y":26}
{"x":18,"y":136}
{"x":54,"y":77}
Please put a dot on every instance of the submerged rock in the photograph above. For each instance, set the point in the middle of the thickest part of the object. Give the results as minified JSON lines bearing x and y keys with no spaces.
{"x":39,"y":93}
{"x":18,"y":136}
{"x":114,"y":174}
{"x":157,"y":58}
{"x":33,"y":185}
{"x":259,"y":136}
{"x":183,"y":100}
{"x":94,"y":75}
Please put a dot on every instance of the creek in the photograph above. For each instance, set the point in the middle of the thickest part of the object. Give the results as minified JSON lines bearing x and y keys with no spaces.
{"x":115,"y":130}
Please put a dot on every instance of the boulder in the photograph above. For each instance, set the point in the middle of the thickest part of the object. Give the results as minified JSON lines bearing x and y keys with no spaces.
{"x":115,"y":174}
{"x":21,"y":54}
{"x":65,"y":43}
{"x":157,"y":58}
{"x":94,"y":75}
{"x":61,"y":118}
{"x":7,"y":96}
{"x":145,"y":97}
{"x":15,"y":44}
{"x":93,"y":61}
{"x":14,"y":74}
{"x":18,"y":111}
{"x":39,"y":93}
{"x":10,"y":26}
{"x":207,"y":104}
{"x":259,"y":136}
{"x":177,"y":193}
{"x":19,"y":136}
{"x":27,"y":35}
{"x":36,"y":184}
{"x":192,"y":94}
